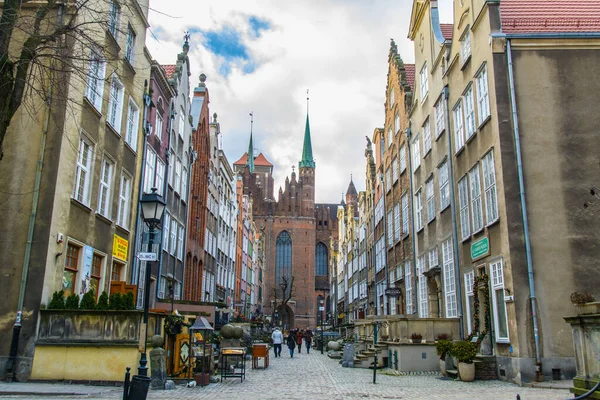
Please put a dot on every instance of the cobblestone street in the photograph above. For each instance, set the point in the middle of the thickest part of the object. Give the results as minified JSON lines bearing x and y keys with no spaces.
{"x":308,"y":377}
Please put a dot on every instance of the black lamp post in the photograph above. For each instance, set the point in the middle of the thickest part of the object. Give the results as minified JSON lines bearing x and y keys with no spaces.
{"x":153,"y":207}
{"x":321,"y":311}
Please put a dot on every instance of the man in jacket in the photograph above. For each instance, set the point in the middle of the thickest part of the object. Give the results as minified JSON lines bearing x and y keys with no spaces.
{"x":277,"y":338}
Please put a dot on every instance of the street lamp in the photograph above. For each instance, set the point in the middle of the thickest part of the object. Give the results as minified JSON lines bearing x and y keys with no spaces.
{"x":153,"y":207}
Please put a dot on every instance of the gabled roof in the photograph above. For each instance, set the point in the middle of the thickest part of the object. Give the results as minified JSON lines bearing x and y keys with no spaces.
{"x":447,"y":30}
{"x":351,"y":189}
{"x":259,"y":160}
{"x":550,"y":16}
{"x":169,"y":70}
{"x":410,"y":75}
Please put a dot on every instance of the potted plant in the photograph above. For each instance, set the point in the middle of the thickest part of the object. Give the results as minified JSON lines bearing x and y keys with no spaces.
{"x":465,"y":352}
{"x":416,"y":337}
{"x":443,"y":347}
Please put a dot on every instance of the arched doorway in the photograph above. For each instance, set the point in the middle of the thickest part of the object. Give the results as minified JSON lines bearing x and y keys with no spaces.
{"x":287,"y":318}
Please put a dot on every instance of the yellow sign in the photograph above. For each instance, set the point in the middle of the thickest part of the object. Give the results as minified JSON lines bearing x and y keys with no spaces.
{"x":120,"y":248}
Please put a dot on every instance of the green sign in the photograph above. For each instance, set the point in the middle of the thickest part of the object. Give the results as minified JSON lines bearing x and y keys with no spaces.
{"x":480,"y":248}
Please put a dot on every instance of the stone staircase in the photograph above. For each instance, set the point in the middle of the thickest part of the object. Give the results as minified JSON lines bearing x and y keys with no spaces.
{"x":366,"y":358}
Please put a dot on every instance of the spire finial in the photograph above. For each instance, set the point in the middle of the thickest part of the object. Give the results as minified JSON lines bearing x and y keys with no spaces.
{"x":307,"y":99}
{"x":251,"y":121}
{"x":350,"y":176}
{"x":250,"y":161}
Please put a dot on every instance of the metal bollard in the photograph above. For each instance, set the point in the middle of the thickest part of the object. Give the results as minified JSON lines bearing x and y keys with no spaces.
{"x":126,"y":384}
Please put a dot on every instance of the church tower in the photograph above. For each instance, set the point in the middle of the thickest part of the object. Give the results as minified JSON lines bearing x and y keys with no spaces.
{"x":306,"y":169}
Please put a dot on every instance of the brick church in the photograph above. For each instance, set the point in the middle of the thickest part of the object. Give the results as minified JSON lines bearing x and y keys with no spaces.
{"x":298,"y":236}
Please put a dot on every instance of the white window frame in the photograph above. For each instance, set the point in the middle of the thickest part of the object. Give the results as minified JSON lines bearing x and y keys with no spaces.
{"x":166,"y":227}
{"x":159,"y":182}
{"x":84,"y":171}
{"x":177,"y":176}
{"x":133,"y":120}
{"x":388,"y":179}
{"x":124,"y":200}
{"x":408,"y":289}
{"x":402,"y":158}
{"x":483,"y":100}
{"x":433,"y":257}
{"x":450,"y":301}
{"x":443,"y":183}
{"x":424,"y":81}
{"x":470,"y":128}
{"x":114,"y":19}
{"x":416,"y":153}
{"x":184,"y":177}
{"x":149,"y":173}
{"x":430,"y":195}
{"x":440,"y":118}
{"x":395,"y":172}
{"x":172,"y":162}
{"x":105,"y":188}
{"x":419,"y":209}
{"x":390,"y":229}
{"x":181,"y":126}
{"x":396,"y":123}
{"x":130,"y":45}
{"x":397,"y":222}
{"x":426,"y":137}
{"x":476,"y":202}
{"x":489,"y":184}
{"x":159,"y":126}
{"x":391,"y":97}
{"x":465,"y":46}
{"x":115,"y":103}
{"x":405,"y":213}
{"x":95,"y":79}
{"x":390,"y":137}
{"x":469,"y":281}
{"x":459,"y":132}
{"x":174,"y":225}
{"x":423,"y":291}
{"x":463,"y":204}
{"x":180,"y":236}
{"x":497,"y":278}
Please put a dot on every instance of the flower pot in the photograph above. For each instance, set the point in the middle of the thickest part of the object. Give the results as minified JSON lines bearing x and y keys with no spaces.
{"x":466,"y":372}
{"x":417,"y":340}
{"x":443,"y":367}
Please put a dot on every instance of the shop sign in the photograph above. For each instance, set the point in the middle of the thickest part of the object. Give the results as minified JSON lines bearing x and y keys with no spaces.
{"x":120,"y":247}
{"x":480,"y":248}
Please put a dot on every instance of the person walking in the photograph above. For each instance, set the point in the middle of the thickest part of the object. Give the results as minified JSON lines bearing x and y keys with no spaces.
{"x":308,"y":339}
{"x":291,"y":343}
{"x":299,"y":337}
{"x":277,"y":338}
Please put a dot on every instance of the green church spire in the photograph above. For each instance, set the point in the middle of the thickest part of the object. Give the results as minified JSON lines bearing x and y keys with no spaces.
{"x":307,"y":155}
{"x":250,"y":160}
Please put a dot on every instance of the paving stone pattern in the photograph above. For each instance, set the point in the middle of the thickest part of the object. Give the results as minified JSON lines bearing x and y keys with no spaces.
{"x":316,"y":377}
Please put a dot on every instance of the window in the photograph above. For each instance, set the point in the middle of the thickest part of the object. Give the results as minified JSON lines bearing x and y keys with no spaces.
{"x":181,"y":123}
{"x":133,"y":117}
{"x":463,"y":203}
{"x":422,"y":282}
{"x":159,"y":183}
{"x":149,"y":176}
{"x":114,"y":16}
{"x":392,"y":100}
{"x":397,"y":221}
{"x":178,"y":176}
{"x":159,"y":127}
{"x":489,"y":183}
{"x":397,"y":123}
{"x":500,"y":317}
{"x":395,"y":169}
{"x":449,"y":282}
{"x":440,"y":118}
{"x":174,"y":236}
{"x":416,"y":153}
{"x":95,"y":79}
{"x":283,"y":258}
{"x":321,"y":260}
{"x":476,"y":207}
{"x":96,"y":273}
{"x":419,"y":209}
{"x":433,"y":258}
{"x":184,"y":179}
{"x":426,"y":138}
{"x":465,"y":47}
{"x":105,"y":190}
{"x":124,"y":202}
{"x":115,"y":104}
{"x":469,"y":280}
{"x":423,"y":81}
{"x":180,"y":242}
{"x":402,"y":158}
{"x":429,"y":192}
{"x":388,"y":179}
{"x":404,"y":214}
{"x":483,"y":100}
{"x":166,"y":226}
{"x":117,"y":271}
{"x":70,"y":272}
{"x":172,"y":162}
{"x":379,"y":255}
{"x":390,"y":229}
{"x":408,"y":288}
{"x":390,"y":137}
{"x":459,"y":133}
{"x":130,"y":45}
{"x":83,"y":173}
{"x":469,"y":113}
{"x":444,"y":188}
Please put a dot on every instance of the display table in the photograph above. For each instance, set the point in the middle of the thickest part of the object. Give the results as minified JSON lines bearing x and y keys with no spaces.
{"x":260,"y":350}
{"x":233,"y":363}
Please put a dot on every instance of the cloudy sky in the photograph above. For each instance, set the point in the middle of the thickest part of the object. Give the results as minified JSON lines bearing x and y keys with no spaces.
{"x":262,"y":56}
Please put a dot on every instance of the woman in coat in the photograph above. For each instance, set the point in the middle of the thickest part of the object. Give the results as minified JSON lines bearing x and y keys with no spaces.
{"x":299,"y":337}
{"x":291,"y":343}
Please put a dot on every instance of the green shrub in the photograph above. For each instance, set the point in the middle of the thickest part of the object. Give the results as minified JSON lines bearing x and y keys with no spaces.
{"x":465,"y":351}
{"x":443,"y":347}
{"x":58,"y":301}
{"x":115,"y":302}
{"x":102,"y":301}
{"x":72,"y":302}
{"x":128,"y":302}
{"x":88,"y":301}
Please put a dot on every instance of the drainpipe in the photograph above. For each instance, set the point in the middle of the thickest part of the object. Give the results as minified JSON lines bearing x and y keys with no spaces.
{"x":416,"y":304}
{"x":459,"y":302}
{"x":14,"y":345}
{"x":532,"y":297}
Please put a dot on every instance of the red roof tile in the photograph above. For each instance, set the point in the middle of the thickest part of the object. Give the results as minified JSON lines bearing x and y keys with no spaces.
{"x":447,"y":30}
{"x":169,"y":70}
{"x":550,"y":16}
{"x":410,"y":75}
{"x":259,"y":160}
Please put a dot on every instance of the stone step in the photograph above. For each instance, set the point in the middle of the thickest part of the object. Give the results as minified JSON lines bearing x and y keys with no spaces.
{"x":361,"y":356}
{"x":452,"y":373}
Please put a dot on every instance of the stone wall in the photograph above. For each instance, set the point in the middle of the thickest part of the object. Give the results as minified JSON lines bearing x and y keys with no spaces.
{"x":486,"y":368}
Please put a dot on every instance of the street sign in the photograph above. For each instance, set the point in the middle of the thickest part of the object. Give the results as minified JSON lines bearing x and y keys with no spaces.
{"x":392,"y":292}
{"x":147,"y":256}
{"x":321,"y":308}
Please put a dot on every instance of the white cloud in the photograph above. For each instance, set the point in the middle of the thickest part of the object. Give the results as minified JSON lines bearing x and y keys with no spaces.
{"x":336,"y":48}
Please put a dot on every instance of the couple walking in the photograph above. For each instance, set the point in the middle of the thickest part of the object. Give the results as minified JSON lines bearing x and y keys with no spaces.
{"x":294,"y":338}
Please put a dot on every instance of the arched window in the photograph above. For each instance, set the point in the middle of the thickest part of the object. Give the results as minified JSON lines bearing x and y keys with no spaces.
{"x":321,"y":260}
{"x":283,"y":260}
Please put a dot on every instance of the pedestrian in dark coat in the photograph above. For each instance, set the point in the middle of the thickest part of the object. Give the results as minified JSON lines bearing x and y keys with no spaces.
{"x":291,"y":343}
{"x":308,"y":338}
{"x":299,"y":337}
